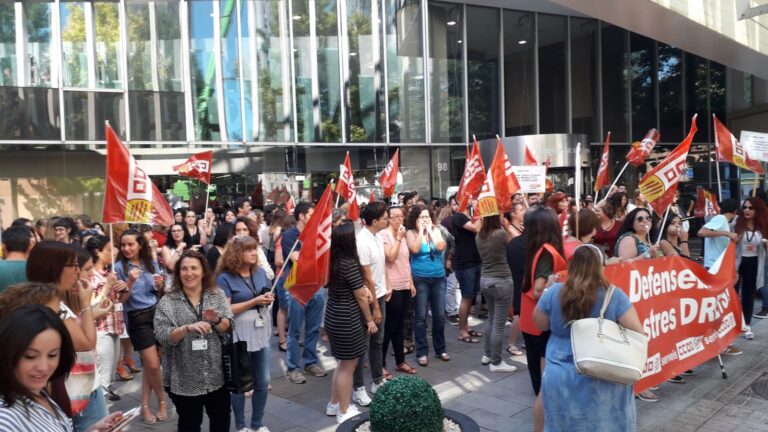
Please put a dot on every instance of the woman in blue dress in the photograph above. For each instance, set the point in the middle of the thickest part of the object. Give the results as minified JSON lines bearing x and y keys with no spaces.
{"x":575,"y":402}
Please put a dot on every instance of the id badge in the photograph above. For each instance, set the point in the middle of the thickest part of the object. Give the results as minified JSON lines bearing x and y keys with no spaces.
{"x":750,"y":248}
{"x":118,"y":307}
{"x":258,"y":322}
{"x":199,"y":345}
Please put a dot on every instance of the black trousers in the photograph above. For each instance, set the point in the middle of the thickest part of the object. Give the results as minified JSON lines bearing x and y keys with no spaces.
{"x":394,"y":325}
{"x":535,"y":348}
{"x":190,"y":410}
{"x":747,"y":286}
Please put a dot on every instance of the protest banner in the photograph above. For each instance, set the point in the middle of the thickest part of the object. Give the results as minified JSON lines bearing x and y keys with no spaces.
{"x":756,"y":144}
{"x":532,"y":179}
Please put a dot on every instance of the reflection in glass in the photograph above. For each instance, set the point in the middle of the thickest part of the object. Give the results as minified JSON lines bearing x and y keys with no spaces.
{"x":446,"y":70}
{"x":519,"y":78}
{"x":328,"y":71}
{"x":302,"y":54}
{"x":74,"y":47}
{"x":107,"y":32}
{"x":139,"y":47}
{"x":157,"y":116}
{"x":87,"y":111}
{"x":615,"y":82}
{"x":670,"y":76}
{"x":38,"y":21}
{"x":405,"y":70}
{"x":483,"y":71}
{"x":169,"y":64}
{"x":584,"y":49}
{"x":7,"y":45}
{"x":231,"y":70}
{"x":641,"y":57}
{"x":154,"y":46}
{"x":552,"y":32}
{"x":739,"y":93}
{"x":717,"y":90}
{"x":696,"y":95}
{"x":29,"y":113}
{"x":363,"y":56}
{"x":203,"y":71}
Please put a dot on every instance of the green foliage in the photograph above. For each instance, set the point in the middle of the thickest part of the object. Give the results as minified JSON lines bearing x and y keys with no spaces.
{"x":406,"y":404}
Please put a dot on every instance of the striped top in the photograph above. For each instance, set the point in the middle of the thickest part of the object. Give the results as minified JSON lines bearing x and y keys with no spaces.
{"x":27,"y":415}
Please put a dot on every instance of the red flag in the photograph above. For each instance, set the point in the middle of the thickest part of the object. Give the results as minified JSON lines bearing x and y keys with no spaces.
{"x":512,"y":184}
{"x":530,"y":160}
{"x":660,"y":184}
{"x":602,"y":172}
{"x":353,"y":212}
{"x":346,"y":185}
{"x":198,"y":166}
{"x":641,"y":150}
{"x":473,"y":178}
{"x":388,"y":178}
{"x":548,"y":185}
{"x":290,"y":205}
{"x":310,"y":272}
{"x":130,"y":195}
{"x":706,"y":204}
{"x":729,"y":149}
{"x":502,"y":184}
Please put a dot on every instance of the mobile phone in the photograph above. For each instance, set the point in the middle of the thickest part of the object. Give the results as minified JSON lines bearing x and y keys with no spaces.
{"x":127,"y":418}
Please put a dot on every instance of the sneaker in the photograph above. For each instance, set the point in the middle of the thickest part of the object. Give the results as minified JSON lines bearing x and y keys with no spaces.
{"x":351,"y":412}
{"x":748,"y":334}
{"x":733,"y":351}
{"x":245,"y":429}
{"x":453,"y":320}
{"x":331,"y":409}
{"x":654,"y":388}
{"x":677,"y":379}
{"x":485,"y":360}
{"x":375,"y":387}
{"x":295,"y":376}
{"x":763,"y":314}
{"x":360,"y":396}
{"x":503,"y":367}
{"x":315,"y":370}
{"x":647,"y":396}
{"x":689,"y":372}
{"x":112,"y":396}
{"x":262,"y":429}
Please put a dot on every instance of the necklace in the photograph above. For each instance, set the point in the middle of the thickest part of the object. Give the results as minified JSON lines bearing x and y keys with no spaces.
{"x":518,"y":229}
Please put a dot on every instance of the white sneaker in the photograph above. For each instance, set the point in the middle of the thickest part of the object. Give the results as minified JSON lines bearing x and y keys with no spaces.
{"x":503,"y":367}
{"x":351,"y":412}
{"x":360,"y":396}
{"x":485,"y":360}
{"x":262,"y":429}
{"x":375,"y":387}
{"x":748,"y":333}
{"x":332,"y":409}
{"x":245,"y":429}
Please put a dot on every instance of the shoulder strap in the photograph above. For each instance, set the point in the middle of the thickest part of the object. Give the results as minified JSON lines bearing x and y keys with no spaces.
{"x":606,"y":301}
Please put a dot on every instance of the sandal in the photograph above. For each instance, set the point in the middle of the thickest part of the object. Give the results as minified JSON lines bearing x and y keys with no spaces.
{"x":444,"y":357}
{"x":163,"y":417}
{"x":150,"y":419}
{"x":282,"y":346}
{"x":513,"y":350}
{"x":406,"y":368}
{"x":409,"y":349}
{"x":475,"y":333}
{"x":423,"y":362}
{"x":386,"y":373}
{"x":468,"y":339}
{"x":131,"y":365}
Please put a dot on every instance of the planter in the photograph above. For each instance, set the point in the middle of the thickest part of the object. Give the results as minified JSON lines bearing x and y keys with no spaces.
{"x":465,"y":423}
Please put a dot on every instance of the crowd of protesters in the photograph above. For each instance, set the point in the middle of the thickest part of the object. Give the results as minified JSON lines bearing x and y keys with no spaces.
{"x":93,"y":300}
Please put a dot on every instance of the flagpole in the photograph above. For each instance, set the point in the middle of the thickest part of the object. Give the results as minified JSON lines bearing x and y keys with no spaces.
{"x":755,"y":185}
{"x":577,"y":188}
{"x":338,"y":195}
{"x":282,"y":269}
{"x":207,"y":197}
{"x":112,"y":239}
{"x":717,"y":163}
{"x":616,"y":181}
{"x":661,"y":230}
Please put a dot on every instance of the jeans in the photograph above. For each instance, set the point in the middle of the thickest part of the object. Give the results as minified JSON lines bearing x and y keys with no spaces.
{"x":469,"y":281}
{"x":261,"y":361}
{"x":190,"y":410}
{"x":535,"y":350}
{"x":451,"y":300}
{"x":310,"y":317}
{"x":95,"y":411}
{"x":430,"y":292}
{"x":393,"y":328}
{"x":107,"y":357}
{"x":498,"y":294}
{"x":375,"y":357}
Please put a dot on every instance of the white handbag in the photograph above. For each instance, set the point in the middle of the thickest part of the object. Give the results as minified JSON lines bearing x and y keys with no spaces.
{"x":605,"y":350}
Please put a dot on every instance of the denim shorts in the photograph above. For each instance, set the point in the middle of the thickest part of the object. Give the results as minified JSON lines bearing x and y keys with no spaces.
{"x":469,"y":281}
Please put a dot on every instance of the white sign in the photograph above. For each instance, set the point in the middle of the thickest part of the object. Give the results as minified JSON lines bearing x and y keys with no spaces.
{"x":756,"y":144}
{"x":532,"y":179}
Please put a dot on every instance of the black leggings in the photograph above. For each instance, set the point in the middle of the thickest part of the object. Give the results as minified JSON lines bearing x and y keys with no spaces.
{"x":747,"y":286}
{"x":393,"y":326}
{"x":190,"y":410}
{"x":535,"y":348}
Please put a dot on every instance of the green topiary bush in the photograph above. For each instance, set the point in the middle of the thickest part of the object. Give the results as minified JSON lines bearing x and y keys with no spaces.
{"x":406,"y":404}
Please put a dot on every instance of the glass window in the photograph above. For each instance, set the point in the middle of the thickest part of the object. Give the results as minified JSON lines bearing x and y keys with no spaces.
{"x":716,"y":91}
{"x":107,"y":23}
{"x":519,"y":78}
{"x":7,"y":45}
{"x":140,"y":66}
{"x":642,"y":57}
{"x":363,"y":57}
{"x":615,"y":82}
{"x":739,"y":92}
{"x":168,"y":28}
{"x":670,"y":76}
{"x":29,"y":113}
{"x":203,"y":71}
{"x":584,"y":92}
{"x":696,"y":95}
{"x":446,"y":69}
{"x":328,"y":76}
{"x":87,"y":111}
{"x":552,"y":37}
{"x":414,"y":166}
{"x":38,"y":19}
{"x":405,"y":71}
{"x":74,"y":46}
{"x":483,"y":71}
{"x":230,"y":67}
{"x":157,"y":116}
{"x":302,"y":55}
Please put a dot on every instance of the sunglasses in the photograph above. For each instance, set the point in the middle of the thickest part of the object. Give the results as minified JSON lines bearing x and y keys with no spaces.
{"x":643,"y":219}
{"x":747,"y":208}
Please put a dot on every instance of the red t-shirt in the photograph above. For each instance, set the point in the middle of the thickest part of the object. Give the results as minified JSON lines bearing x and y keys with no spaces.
{"x":606,"y":240}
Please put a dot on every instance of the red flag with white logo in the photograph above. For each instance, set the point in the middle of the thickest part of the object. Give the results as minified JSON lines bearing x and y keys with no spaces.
{"x":353,"y":213}
{"x":388,"y":178}
{"x":729,"y":149}
{"x":660,"y":184}
{"x":473,"y":178}
{"x":502,"y":183}
{"x":640,"y":151}
{"x":198,"y":166}
{"x":346,"y":185}
{"x":130,"y":195}
{"x":706,"y":204}
{"x":530,"y":159}
{"x":602,"y":171}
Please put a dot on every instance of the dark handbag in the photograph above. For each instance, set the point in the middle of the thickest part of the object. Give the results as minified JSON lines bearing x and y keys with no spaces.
{"x":238,"y":371}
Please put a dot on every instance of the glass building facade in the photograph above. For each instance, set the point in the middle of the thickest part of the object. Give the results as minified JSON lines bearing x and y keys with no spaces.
{"x":296,"y":83}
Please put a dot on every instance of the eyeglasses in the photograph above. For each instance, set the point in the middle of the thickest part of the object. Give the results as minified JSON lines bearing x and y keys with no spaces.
{"x":643,"y":219}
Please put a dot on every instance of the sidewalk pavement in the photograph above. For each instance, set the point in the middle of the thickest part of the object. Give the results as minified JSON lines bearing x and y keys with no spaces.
{"x":503,"y":402}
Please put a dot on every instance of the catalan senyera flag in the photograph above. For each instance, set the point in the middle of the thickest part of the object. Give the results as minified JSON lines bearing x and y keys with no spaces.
{"x":706,"y":204}
{"x":388,"y":178}
{"x":198,"y":166}
{"x":473,"y":178}
{"x":130,"y":195}
{"x":602,"y":171}
{"x":729,"y":149}
{"x":530,"y":159}
{"x":310,"y":271}
{"x":660,"y":184}
{"x":346,"y":185}
{"x":640,"y":151}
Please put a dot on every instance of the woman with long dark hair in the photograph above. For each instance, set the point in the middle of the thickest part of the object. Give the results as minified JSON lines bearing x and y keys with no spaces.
{"x":621,"y":200}
{"x":194,"y":231}
{"x":172,"y":250}
{"x":608,"y":228}
{"x":348,"y":318}
{"x":674,"y":239}
{"x":634,"y":241}
{"x":573,"y":401}
{"x":752,"y":228}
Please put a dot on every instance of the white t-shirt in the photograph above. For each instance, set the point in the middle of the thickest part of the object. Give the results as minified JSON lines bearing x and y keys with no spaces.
{"x":370,"y":249}
{"x":715,"y":246}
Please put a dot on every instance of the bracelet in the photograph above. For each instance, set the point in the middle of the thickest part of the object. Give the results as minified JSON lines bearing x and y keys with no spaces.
{"x":89,"y":308}
{"x":186,"y":328}
{"x":217,"y":322}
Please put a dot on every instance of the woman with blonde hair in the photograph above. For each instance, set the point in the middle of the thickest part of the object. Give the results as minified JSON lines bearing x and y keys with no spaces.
{"x":573,"y":401}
